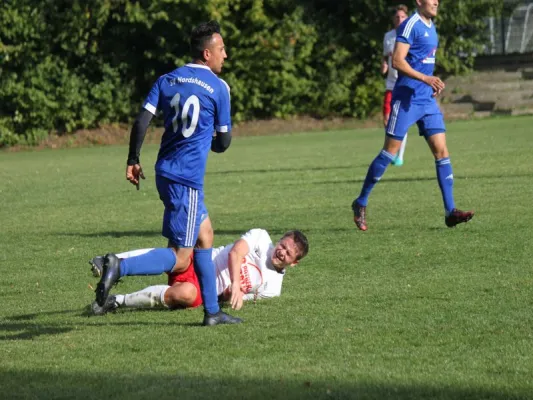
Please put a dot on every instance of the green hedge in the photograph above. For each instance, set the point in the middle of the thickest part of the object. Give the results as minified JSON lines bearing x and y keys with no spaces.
{"x":66,"y":65}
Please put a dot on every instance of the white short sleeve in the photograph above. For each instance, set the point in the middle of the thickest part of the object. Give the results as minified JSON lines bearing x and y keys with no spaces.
{"x":258,"y":241}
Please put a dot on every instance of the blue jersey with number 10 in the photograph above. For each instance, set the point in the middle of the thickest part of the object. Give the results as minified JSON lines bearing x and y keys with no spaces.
{"x":195,"y":103}
{"x":423,"y":41}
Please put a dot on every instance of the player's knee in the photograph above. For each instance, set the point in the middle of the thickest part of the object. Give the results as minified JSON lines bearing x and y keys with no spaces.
{"x":182,"y":264}
{"x":183,"y":260}
{"x":440,"y":152}
{"x":181,"y":295}
{"x":205,"y":236}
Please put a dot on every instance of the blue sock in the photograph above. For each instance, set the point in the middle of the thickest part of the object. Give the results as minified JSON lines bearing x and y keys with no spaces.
{"x":445,"y":178}
{"x":154,"y":262}
{"x":205,"y":269}
{"x":374,"y":174}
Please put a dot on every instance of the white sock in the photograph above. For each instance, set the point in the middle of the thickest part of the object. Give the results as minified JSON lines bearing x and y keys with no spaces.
{"x":402,"y":148}
{"x":119,"y":298}
{"x":133,"y":253}
{"x":150,"y":297}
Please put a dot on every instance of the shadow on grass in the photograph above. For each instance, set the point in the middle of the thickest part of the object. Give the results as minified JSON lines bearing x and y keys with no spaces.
{"x":114,"y":234}
{"x":270,"y":170}
{"x":275,"y":233}
{"x":30,"y":384}
{"x":426,"y":178}
{"x":14,"y":331}
{"x":24,"y":326}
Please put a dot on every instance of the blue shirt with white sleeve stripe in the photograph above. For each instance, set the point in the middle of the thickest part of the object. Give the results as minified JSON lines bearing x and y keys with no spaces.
{"x":195,"y":103}
{"x":423,"y":41}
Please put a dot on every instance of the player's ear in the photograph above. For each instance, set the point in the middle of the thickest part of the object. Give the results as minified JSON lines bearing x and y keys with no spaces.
{"x":207,"y":54}
{"x":294,"y":264}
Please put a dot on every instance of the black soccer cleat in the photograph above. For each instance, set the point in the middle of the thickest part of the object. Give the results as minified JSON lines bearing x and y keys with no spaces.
{"x":97,"y":266}
{"x":458,"y":217}
{"x":110,"y":277}
{"x":110,"y":305}
{"x":220,"y":318}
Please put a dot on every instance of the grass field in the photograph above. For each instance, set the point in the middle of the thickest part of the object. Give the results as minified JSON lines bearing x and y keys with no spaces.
{"x":408,"y":310}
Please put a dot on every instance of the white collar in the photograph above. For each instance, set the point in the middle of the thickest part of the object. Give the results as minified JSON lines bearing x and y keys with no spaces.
{"x":198,"y":66}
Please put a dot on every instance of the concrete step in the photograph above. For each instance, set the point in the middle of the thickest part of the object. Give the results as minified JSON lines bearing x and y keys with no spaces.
{"x":522,"y":105}
{"x":505,"y":86}
{"x":485,"y":93}
{"x":485,"y":100}
{"x":457,"y":110}
{"x":483,"y":77}
{"x":527,"y":73}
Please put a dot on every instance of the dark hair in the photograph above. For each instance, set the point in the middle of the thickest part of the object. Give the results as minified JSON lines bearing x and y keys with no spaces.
{"x":401,"y":7}
{"x":300,"y":240}
{"x":200,"y":37}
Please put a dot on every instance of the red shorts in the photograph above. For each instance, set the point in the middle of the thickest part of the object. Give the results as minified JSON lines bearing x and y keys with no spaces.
{"x":189,"y":275}
{"x":387,"y":99}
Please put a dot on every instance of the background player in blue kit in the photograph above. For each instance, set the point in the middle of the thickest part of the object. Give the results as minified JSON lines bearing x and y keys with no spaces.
{"x":413,"y":100}
{"x":195,"y":104}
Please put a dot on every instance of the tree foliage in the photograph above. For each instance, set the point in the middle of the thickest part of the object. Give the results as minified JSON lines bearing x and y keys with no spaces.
{"x":71,"y":64}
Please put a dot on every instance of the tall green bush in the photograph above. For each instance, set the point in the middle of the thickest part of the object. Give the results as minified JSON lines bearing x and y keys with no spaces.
{"x":71,"y":64}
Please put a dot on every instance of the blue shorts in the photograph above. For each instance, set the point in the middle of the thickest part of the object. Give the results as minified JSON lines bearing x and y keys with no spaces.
{"x":184,"y":211}
{"x":427,"y":116}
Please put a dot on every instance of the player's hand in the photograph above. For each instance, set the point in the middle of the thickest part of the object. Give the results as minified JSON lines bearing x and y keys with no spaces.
{"x":436,"y":84}
{"x":236,"y":299}
{"x":134,"y":173}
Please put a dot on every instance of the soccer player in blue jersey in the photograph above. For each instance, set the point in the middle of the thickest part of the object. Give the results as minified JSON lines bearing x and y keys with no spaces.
{"x":195,"y":104}
{"x":413,"y":100}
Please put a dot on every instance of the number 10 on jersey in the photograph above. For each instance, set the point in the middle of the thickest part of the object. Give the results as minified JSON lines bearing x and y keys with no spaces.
{"x":192,"y":101}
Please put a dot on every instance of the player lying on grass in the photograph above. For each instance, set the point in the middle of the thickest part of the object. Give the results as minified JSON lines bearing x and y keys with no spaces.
{"x":254,"y":260}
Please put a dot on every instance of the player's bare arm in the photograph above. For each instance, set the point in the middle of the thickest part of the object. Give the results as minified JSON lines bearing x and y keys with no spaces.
{"x":384,"y":65}
{"x":134,"y":171}
{"x":399,"y":62}
{"x":236,"y":254}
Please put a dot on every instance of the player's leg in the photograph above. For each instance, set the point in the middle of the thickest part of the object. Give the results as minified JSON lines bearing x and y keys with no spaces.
{"x":402,"y":116}
{"x":154,"y":262}
{"x":177,"y":214}
{"x":182,"y":291}
{"x":206,"y":272}
{"x":398,"y":160}
{"x":179,"y":295}
{"x":185,"y":289}
{"x":387,"y":98}
{"x":432,"y":127}
{"x":97,"y":262}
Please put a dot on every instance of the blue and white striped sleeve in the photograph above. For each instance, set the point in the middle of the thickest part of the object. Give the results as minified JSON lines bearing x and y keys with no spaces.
{"x":223,"y":114}
{"x":152,"y":100}
{"x":406,"y":32}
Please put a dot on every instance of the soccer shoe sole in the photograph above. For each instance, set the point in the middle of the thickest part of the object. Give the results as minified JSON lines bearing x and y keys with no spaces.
{"x":97,"y":266}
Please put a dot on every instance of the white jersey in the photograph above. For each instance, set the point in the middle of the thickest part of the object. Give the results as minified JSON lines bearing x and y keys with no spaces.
{"x":388,"y":48}
{"x":259,"y":278}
